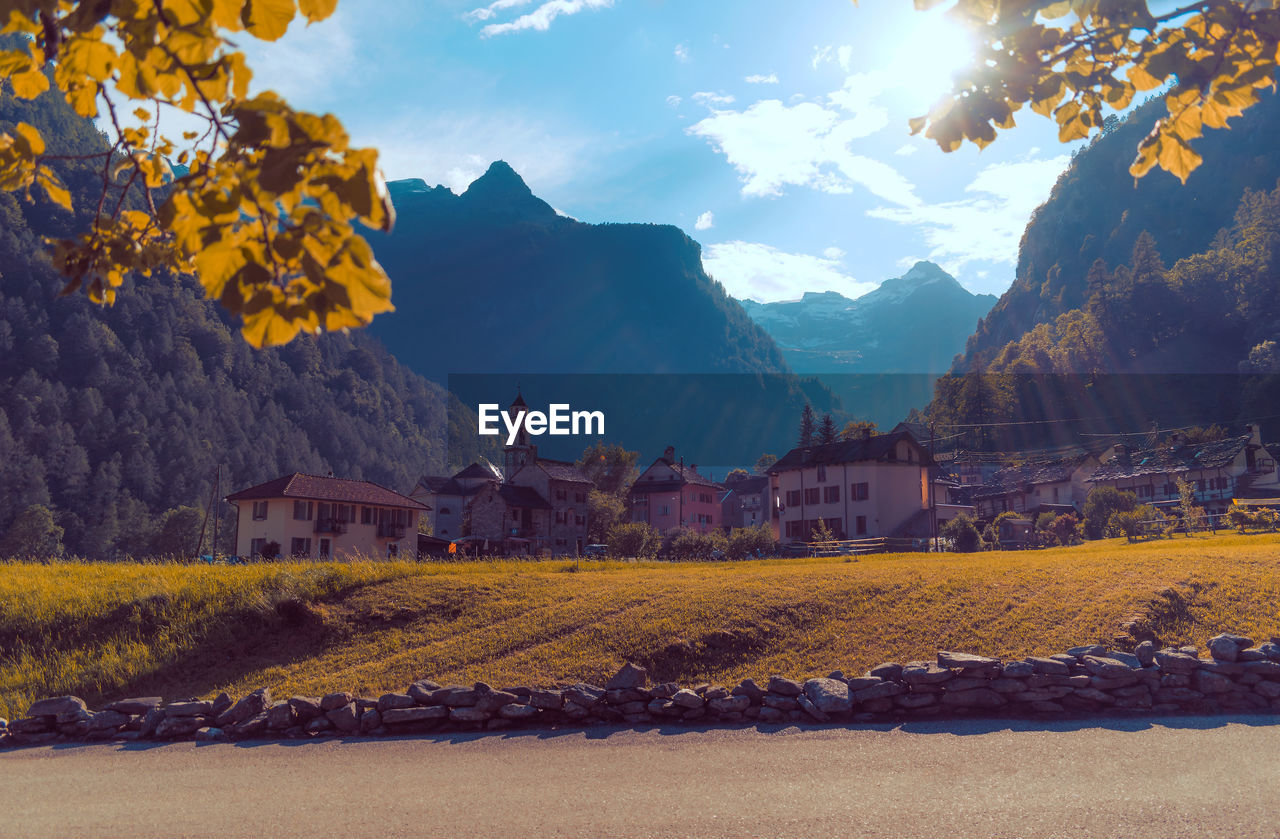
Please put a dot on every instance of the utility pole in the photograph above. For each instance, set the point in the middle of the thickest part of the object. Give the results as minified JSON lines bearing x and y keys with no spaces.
{"x":933,"y":500}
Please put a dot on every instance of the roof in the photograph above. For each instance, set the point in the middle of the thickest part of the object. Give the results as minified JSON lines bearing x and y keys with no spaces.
{"x":317,"y":488}
{"x":475,"y":470}
{"x":684,"y":475}
{"x":447,"y":486}
{"x":1168,"y":460}
{"x":518,"y":496}
{"x":560,"y":470}
{"x":1019,"y":478}
{"x":753,"y":483}
{"x":846,"y":451}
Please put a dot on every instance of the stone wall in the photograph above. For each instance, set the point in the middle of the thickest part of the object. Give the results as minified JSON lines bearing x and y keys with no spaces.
{"x":1082,"y":682}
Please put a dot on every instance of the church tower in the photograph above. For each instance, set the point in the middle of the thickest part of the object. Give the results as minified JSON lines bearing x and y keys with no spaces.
{"x":521,"y":451}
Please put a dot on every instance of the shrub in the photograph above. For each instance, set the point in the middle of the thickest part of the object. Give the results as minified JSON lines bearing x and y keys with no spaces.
{"x":690,"y":544}
{"x":745,"y":542}
{"x":1065,"y":529}
{"x":1240,"y":518}
{"x":1101,"y":505}
{"x":637,"y":539}
{"x":1130,"y":523}
{"x":963,"y":534}
{"x":33,"y":534}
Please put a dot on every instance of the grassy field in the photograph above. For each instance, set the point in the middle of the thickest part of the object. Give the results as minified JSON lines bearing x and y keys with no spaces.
{"x":104,"y":631}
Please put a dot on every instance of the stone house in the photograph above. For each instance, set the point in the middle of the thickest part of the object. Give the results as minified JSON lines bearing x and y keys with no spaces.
{"x":745,"y":501}
{"x":448,"y":496}
{"x":1058,"y":485}
{"x":1219,"y":471}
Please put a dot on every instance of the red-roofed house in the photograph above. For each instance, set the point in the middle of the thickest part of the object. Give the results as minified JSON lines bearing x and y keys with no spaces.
{"x":315,"y":517}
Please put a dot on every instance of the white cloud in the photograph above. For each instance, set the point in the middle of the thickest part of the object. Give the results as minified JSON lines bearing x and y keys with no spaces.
{"x":682,"y":53}
{"x":773,"y":146}
{"x":539,"y":19}
{"x":833,"y":253}
{"x":706,"y":221}
{"x":712,"y":100}
{"x":758,"y":78}
{"x":907,"y":150}
{"x":299,"y":65}
{"x":454,"y":149}
{"x":987,"y":226}
{"x":842,"y":55}
{"x":674,"y":101}
{"x":762,"y":272}
{"x":492,"y":9}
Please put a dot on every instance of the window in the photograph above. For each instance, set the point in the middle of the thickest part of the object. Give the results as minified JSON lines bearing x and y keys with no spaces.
{"x":859,"y":492}
{"x":1145,"y":491}
{"x":324,"y":548}
{"x":836,"y":526}
{"x":300,"y":547}
{"x":860,"y":525}
{"x":559,"y":542}
{"x":580,"y":497}
{"x":303,"y":510}
{"x":393,"y":550}
{"x":1055,"y":495}
{"x":1200,"y":485}
{"x":561,"y":495}
{"x":795,"y":529}
{"x":256,"y":546}
{"x":580,"y":520}
{"x":366,"y":515}
{"x":259,"y":510}
{"x":444,"y":511}
{"x":822,"y":473}
{"x":560,"y":517}
{"x":793,"y":498}
{"x":1170,"y":489}
{"x":811,"y":495}
{"x":831,"y":495}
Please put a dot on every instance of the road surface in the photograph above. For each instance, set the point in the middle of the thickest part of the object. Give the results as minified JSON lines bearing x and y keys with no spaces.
{"x":1217,"y":776}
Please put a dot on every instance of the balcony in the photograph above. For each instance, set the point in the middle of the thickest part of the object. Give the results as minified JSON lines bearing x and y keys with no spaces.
{"x":391,"y":531}
{"x":330,"y":526}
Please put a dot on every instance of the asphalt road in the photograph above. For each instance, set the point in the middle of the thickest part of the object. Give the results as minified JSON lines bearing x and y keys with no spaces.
{"x":1196,"y":777}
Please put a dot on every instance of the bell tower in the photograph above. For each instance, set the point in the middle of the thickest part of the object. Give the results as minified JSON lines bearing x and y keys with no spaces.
{"x":521,"y":451}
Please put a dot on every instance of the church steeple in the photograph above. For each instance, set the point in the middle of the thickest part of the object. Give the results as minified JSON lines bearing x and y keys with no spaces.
{"x":521,"y":451}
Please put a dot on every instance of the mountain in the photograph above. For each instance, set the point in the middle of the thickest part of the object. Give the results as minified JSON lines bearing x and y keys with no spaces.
{"x":113,"y":415}
{"x":495,"y":281}
{"x":915,"y":323}
{"x":1096,"y":211}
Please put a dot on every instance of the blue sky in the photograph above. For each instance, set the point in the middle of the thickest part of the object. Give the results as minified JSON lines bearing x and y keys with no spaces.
{"x":775,"y":134}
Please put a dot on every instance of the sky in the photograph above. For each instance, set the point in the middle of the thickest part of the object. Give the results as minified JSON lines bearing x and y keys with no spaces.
{"x":774,"y":134}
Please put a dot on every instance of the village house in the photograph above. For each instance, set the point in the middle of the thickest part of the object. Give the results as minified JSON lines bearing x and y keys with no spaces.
{"x":534,"y":505}
{"x":873,"y":486}
{"x":448,"y":496}
{"x":745,"y":501}
{"x":1219,"y":471}
{"x":314,"y":517}
{"x":1058,"y":485}
{"x":671,"y":495}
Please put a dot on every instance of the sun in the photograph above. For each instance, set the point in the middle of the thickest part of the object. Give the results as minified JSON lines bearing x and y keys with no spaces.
{"x":928,"y":54}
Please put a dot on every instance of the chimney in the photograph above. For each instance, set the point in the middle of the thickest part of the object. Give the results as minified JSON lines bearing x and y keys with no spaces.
{"x":866,"y":433}
{"x":669,"y":454}
{"x":693,"y":467}
{"x":1255,"y":433}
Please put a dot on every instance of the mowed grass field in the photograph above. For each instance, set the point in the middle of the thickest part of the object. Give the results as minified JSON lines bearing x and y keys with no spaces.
{"x":104,"y":631}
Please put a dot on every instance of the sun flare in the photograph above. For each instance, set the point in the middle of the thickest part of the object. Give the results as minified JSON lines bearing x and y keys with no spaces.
{"x":928,"y":56}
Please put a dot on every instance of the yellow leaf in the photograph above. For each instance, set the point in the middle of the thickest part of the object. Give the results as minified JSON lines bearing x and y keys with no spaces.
{"x":268,"y":19}
{"x":1141,"y":79}
{"x":315,"y":10}
{"x":1177,"y":157}
{"x":917,"y":124}
{"x":53,"y":187}
{"x":217,"y":264}
{"x":30,"y":84}
{"x":29,"y":140}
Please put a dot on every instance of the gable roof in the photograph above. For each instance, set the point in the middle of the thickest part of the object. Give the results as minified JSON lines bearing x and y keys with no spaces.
{"x":437,"y":485}
{"x":317,"y":488}
{"x":848,"y":451}
{"x":518,"y":496}
{"x":1172,"y":459}
{"x":684,"y":475}
{"x":1023,"y":476}
{"x":476,"y":470}
{"x":560,"y":470}
{"x":744,"y":486}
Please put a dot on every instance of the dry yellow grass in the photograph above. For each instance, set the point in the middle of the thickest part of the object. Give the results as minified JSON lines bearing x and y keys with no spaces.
{"x":377,"y":626}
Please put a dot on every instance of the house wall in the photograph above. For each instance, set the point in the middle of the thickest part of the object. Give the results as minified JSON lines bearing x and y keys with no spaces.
{"x":359,"y":540}
{"x":666,"y":510}
{"x":446,"y":513}
{"x":896,"y":492}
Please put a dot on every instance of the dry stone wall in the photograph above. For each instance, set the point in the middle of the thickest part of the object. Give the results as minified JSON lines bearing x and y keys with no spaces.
{"x":1082,"y":682}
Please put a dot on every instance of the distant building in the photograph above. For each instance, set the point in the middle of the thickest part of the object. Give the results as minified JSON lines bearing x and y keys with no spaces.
{"x":745,"y":501}
{"x":448,"y":496}
{"x":1058,"y":486}
{"x":873,"y":486}
{"x":313,"y":517}
{"x":535,"y":505}
{"x":671,"y":495}
{"x":1218,"y":471}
